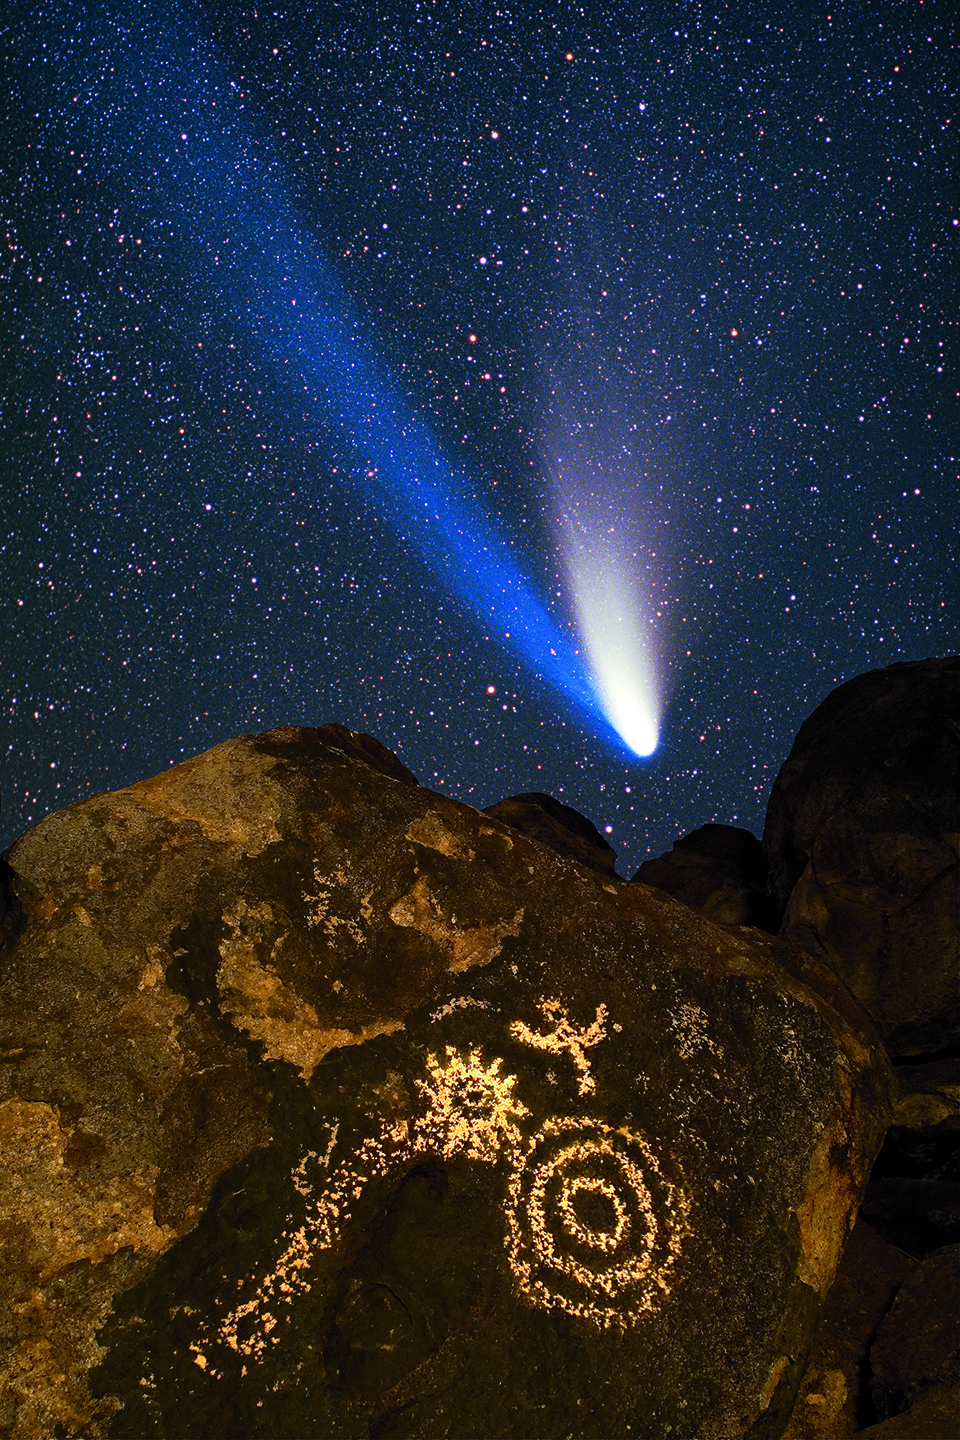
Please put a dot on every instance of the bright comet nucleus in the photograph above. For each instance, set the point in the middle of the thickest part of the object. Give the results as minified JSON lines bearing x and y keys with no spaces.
{"x":612,"y":627}
{"x":616,"y":634}
{"x":605,"y":471}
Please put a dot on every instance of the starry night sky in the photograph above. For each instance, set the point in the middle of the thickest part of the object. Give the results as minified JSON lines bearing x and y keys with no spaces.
{"x":320,"y":322}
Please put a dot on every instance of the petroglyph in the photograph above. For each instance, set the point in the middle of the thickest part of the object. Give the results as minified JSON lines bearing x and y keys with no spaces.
{"x":690,"y":1028}
{"x":462,"y":1002}
{"x":565,"y":1036}
{"x":471,"y":1107}
{"x":593,"y":1225}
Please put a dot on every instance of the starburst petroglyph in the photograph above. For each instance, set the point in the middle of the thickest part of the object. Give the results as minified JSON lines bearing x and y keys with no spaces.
{"x":471,"y":1106}
{"x":564,"y":1036}
{"x":594,"y":1226}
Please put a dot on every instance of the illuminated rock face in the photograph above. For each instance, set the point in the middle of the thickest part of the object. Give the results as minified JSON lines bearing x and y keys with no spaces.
{"x":334,"y":1108}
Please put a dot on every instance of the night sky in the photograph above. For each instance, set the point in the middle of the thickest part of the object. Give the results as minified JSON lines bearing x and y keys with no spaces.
{"x":446,"y":371}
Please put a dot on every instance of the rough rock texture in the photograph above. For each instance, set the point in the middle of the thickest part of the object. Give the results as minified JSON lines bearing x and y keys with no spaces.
{"x":560,"y":826}
{"x":719,"y":870}
{"x":928,"y":1093}
{"x":834,"y":1400}
{"x":933,"y":1419}
{"x":332,"y":1108}
{"x":861,"y":841}
{"x":917,"y":1350}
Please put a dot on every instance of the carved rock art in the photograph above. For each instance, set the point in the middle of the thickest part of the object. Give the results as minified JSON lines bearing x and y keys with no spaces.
{"x":566,"y":1037}
{"x":594,"y":1225}
{"x":431,"y":1129}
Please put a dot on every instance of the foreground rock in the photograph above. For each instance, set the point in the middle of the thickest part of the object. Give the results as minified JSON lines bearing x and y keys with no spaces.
{"x":861,"y":841}
{"x":916,"y":1354}
{"x":332,"y":1108}
{"x":931,"y":1419}
{"x":719,"y":870}
{"x":835,"y":1394}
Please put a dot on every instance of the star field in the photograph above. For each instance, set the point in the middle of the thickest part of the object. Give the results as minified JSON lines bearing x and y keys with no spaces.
{"x":684,"y":272}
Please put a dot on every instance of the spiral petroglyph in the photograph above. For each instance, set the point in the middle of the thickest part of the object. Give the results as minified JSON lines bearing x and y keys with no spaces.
{"x":594,"y":1227}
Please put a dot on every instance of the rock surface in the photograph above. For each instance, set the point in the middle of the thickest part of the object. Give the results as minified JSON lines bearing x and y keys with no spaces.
{"x":861,"y":842}
{"x":916,"y":1354}
{"x":928,"y":1093}
{"x":933,"y":1419}
{"x":834,"y":1396}
{"x":332,"y":1108}
{"x":560,"y":826}
{"x":913,"y":1197}
{"x":719,"y":870}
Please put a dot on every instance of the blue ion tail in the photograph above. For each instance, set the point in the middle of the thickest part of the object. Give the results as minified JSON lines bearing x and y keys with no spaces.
{"x":220,"y":185}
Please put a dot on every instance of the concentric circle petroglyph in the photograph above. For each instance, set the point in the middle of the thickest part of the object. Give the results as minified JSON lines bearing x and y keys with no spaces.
{"x":594,"y":1227}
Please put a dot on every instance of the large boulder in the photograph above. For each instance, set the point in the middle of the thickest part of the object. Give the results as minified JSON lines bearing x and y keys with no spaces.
{"x":719,"y":870}
{"x":861,"y":842}
{"x":333,"y":1108}
{"x":564,"y":829}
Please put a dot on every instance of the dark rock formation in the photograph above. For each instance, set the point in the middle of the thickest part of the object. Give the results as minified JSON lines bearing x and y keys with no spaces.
{"x":916,"y":1354}
{"x":332,"y":1108}
{"x":560,"y":826}
{"x":834,"y":1397}
{"x":719,"y":870}
{"x":861,"y":841}
{"x":932,"y":1419}
{"x":913,"y":1198}
{"x":929,"y":1092}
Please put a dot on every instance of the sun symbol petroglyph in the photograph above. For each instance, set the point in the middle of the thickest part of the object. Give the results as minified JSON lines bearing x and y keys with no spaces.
{"x":318,"y":912}
{"x":594,"y":1226}
{"x":471,"y":1106}
{"x":565,"y":1036}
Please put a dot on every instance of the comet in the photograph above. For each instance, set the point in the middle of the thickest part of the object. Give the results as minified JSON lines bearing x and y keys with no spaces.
{"x":223,"y":188}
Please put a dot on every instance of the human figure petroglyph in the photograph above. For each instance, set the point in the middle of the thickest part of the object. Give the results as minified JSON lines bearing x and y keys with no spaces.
{"x":565,"y":1036}
{"x":593,"y":1225}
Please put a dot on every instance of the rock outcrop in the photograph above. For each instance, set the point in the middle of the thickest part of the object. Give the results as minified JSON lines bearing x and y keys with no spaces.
{"x":932,"y":1419}
{"x":330,"y":1107}
{"x":835,"y":1397}
{"x":720,"y":871}
{"x":560,"y":826}
{"x":861,"y":842}
{"x":916,"y":1354}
